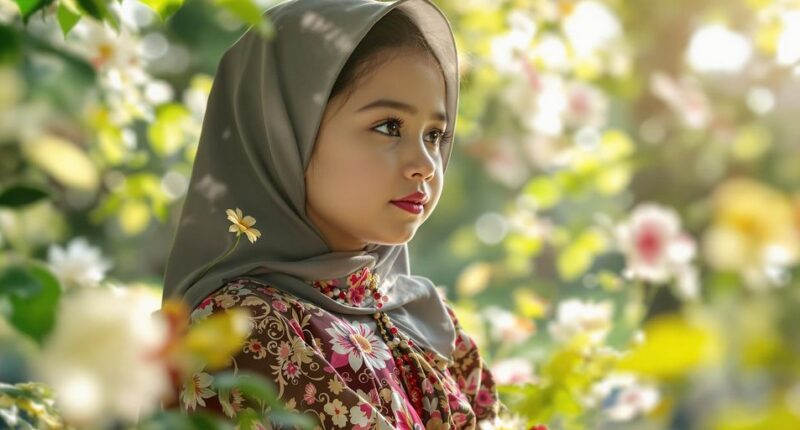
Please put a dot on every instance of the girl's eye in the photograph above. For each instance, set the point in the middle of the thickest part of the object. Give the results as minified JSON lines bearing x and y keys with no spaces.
{"x":392,"y":121}
{"x":442,"y":137}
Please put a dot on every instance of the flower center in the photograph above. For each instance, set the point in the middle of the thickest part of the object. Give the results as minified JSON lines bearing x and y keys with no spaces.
{"x":362,"y":343}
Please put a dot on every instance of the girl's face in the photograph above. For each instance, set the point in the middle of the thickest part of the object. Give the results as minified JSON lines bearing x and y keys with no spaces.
{"x":379,"y":145}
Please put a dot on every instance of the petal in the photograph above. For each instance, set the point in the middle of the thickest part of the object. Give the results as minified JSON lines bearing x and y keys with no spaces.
{"x":256,"y":232}
{"x":355,"y":360}
{"x":238,"y":213}
{"x":248,"y":220}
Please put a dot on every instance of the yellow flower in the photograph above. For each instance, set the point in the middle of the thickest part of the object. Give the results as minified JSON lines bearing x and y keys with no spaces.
{"x":753,"y":228}
{"x":242,"y":224}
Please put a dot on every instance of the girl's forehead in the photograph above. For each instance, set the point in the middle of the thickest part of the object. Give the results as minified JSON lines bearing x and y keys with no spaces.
{"x":404,"y":83}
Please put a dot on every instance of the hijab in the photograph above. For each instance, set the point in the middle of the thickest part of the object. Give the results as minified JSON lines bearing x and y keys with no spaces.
{"x":262,"y":117}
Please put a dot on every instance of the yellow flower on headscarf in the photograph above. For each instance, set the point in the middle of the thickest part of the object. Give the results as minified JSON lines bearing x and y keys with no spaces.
{"x":242,"y":224}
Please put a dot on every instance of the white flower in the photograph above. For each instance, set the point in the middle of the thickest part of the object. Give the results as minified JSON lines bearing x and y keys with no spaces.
{"x":591,"y":27}
{"x":503,"y":422}
{"x":196,"y":388}
{"x":356,"y":344}
{"x":99,"y":357}
{"x":506,"y":327}
{"x":78,"y":265}
{"x":362,"y":414}
{"x":576,"y":317}
{"x":507,"y":50}
{"x":622,"y":397}
{"x":337,"y":411}
{"x":515,"y":370}
{"x":104,"y":47}
{"x":653,"y":243}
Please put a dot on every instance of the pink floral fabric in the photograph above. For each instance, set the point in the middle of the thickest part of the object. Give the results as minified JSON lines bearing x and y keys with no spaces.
{"x":339,"y":371}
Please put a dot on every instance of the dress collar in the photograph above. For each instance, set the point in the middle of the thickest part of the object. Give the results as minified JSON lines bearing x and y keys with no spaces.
{"x":358,"y":289}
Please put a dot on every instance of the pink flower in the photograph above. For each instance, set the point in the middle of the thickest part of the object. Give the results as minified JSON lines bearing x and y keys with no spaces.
{"x":655,"y":248}
{"x":310,"y":394}
{"x":484,"y":397}
{"x":355,"y":344}
{"x":358,"y":278}
{"x":356,"y":294}
{"x":292,"y":371}
{"x":280,"y":305}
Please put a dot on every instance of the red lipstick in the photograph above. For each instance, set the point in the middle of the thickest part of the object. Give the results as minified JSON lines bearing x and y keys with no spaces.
{"x":412,"y":203}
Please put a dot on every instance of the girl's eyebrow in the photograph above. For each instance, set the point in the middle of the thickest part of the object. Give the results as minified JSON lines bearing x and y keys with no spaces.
{"x":396,"y":104}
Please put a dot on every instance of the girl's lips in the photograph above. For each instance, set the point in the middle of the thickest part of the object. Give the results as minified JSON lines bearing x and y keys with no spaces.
{"x":414,"y":208}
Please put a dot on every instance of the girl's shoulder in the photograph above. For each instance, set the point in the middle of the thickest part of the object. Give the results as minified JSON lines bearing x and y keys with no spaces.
{"x":255,"y":295}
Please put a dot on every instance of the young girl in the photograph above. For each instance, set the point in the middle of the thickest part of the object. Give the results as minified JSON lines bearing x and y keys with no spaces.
{"x":335,"y":136}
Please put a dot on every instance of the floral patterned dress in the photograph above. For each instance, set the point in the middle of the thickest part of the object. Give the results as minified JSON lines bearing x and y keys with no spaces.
{"x":355,"y":373}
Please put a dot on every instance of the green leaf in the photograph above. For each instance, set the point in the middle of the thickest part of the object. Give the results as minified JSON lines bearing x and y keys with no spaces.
{"x":164,"y":8}
{"x":251,"y":384}
{"x":99,"y":10}
{"x":67,"y":16}
{"x":10,"y":45}
{"x":166,"y":134}
{"x":21,"y":195}
{"x":544,"y":191}
{"x":172,"y":419}
{"x":291,"y":419}
{"x":34,"y":315}
{"x":29,"y":7}
{"x":16,"y":281}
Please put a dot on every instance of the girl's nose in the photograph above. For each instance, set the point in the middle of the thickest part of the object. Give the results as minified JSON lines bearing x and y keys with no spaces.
{"x":422,"y":159}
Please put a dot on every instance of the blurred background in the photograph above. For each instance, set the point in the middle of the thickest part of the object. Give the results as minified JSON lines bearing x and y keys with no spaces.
{"x":619,"y":228}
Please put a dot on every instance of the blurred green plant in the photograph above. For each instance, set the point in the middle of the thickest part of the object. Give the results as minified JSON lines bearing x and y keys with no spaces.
{"x":621,"y":233}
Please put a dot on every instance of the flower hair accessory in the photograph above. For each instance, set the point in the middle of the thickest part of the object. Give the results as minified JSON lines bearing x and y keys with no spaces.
{"x":239,"y":224}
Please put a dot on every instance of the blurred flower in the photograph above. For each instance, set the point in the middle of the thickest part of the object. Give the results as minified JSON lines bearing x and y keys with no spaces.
{"x":656,"y":249}
{"x":195,"y":389}
{"x":104,"y":47}
{"x":506,"y":327}
{"x":474,"y":278}
{"x":503,"y":422}
{"x":715,"y":48}
{"x":513,"y":371}
{"x":98,"y":358}
{"x":576,"y":317}
{"x":590,"y":26}
{"x":685,"y":98}
{"x":504,"y":163}
{"x":586,"y":106}
{"x":117,"y":56}
{"x":78,"y":265}
{"x":753,"y":233}
{"x":788,"y":51}
{"x":508,"y":49}
{"x":622,"y":398}
{"x":242,"y":224}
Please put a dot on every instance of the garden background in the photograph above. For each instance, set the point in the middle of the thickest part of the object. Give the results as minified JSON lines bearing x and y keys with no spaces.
{"x":619,"y":230}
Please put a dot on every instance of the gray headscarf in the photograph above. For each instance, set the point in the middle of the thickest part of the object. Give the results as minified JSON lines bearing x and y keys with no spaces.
{"x":260,"y":125}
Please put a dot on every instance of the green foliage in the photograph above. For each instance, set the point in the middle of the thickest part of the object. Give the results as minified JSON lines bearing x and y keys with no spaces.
{"x":33,"y":294}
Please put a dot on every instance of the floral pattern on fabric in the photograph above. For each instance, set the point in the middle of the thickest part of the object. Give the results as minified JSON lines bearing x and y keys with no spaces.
{"x":340,"y":372}
{"x":355,"y":289}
